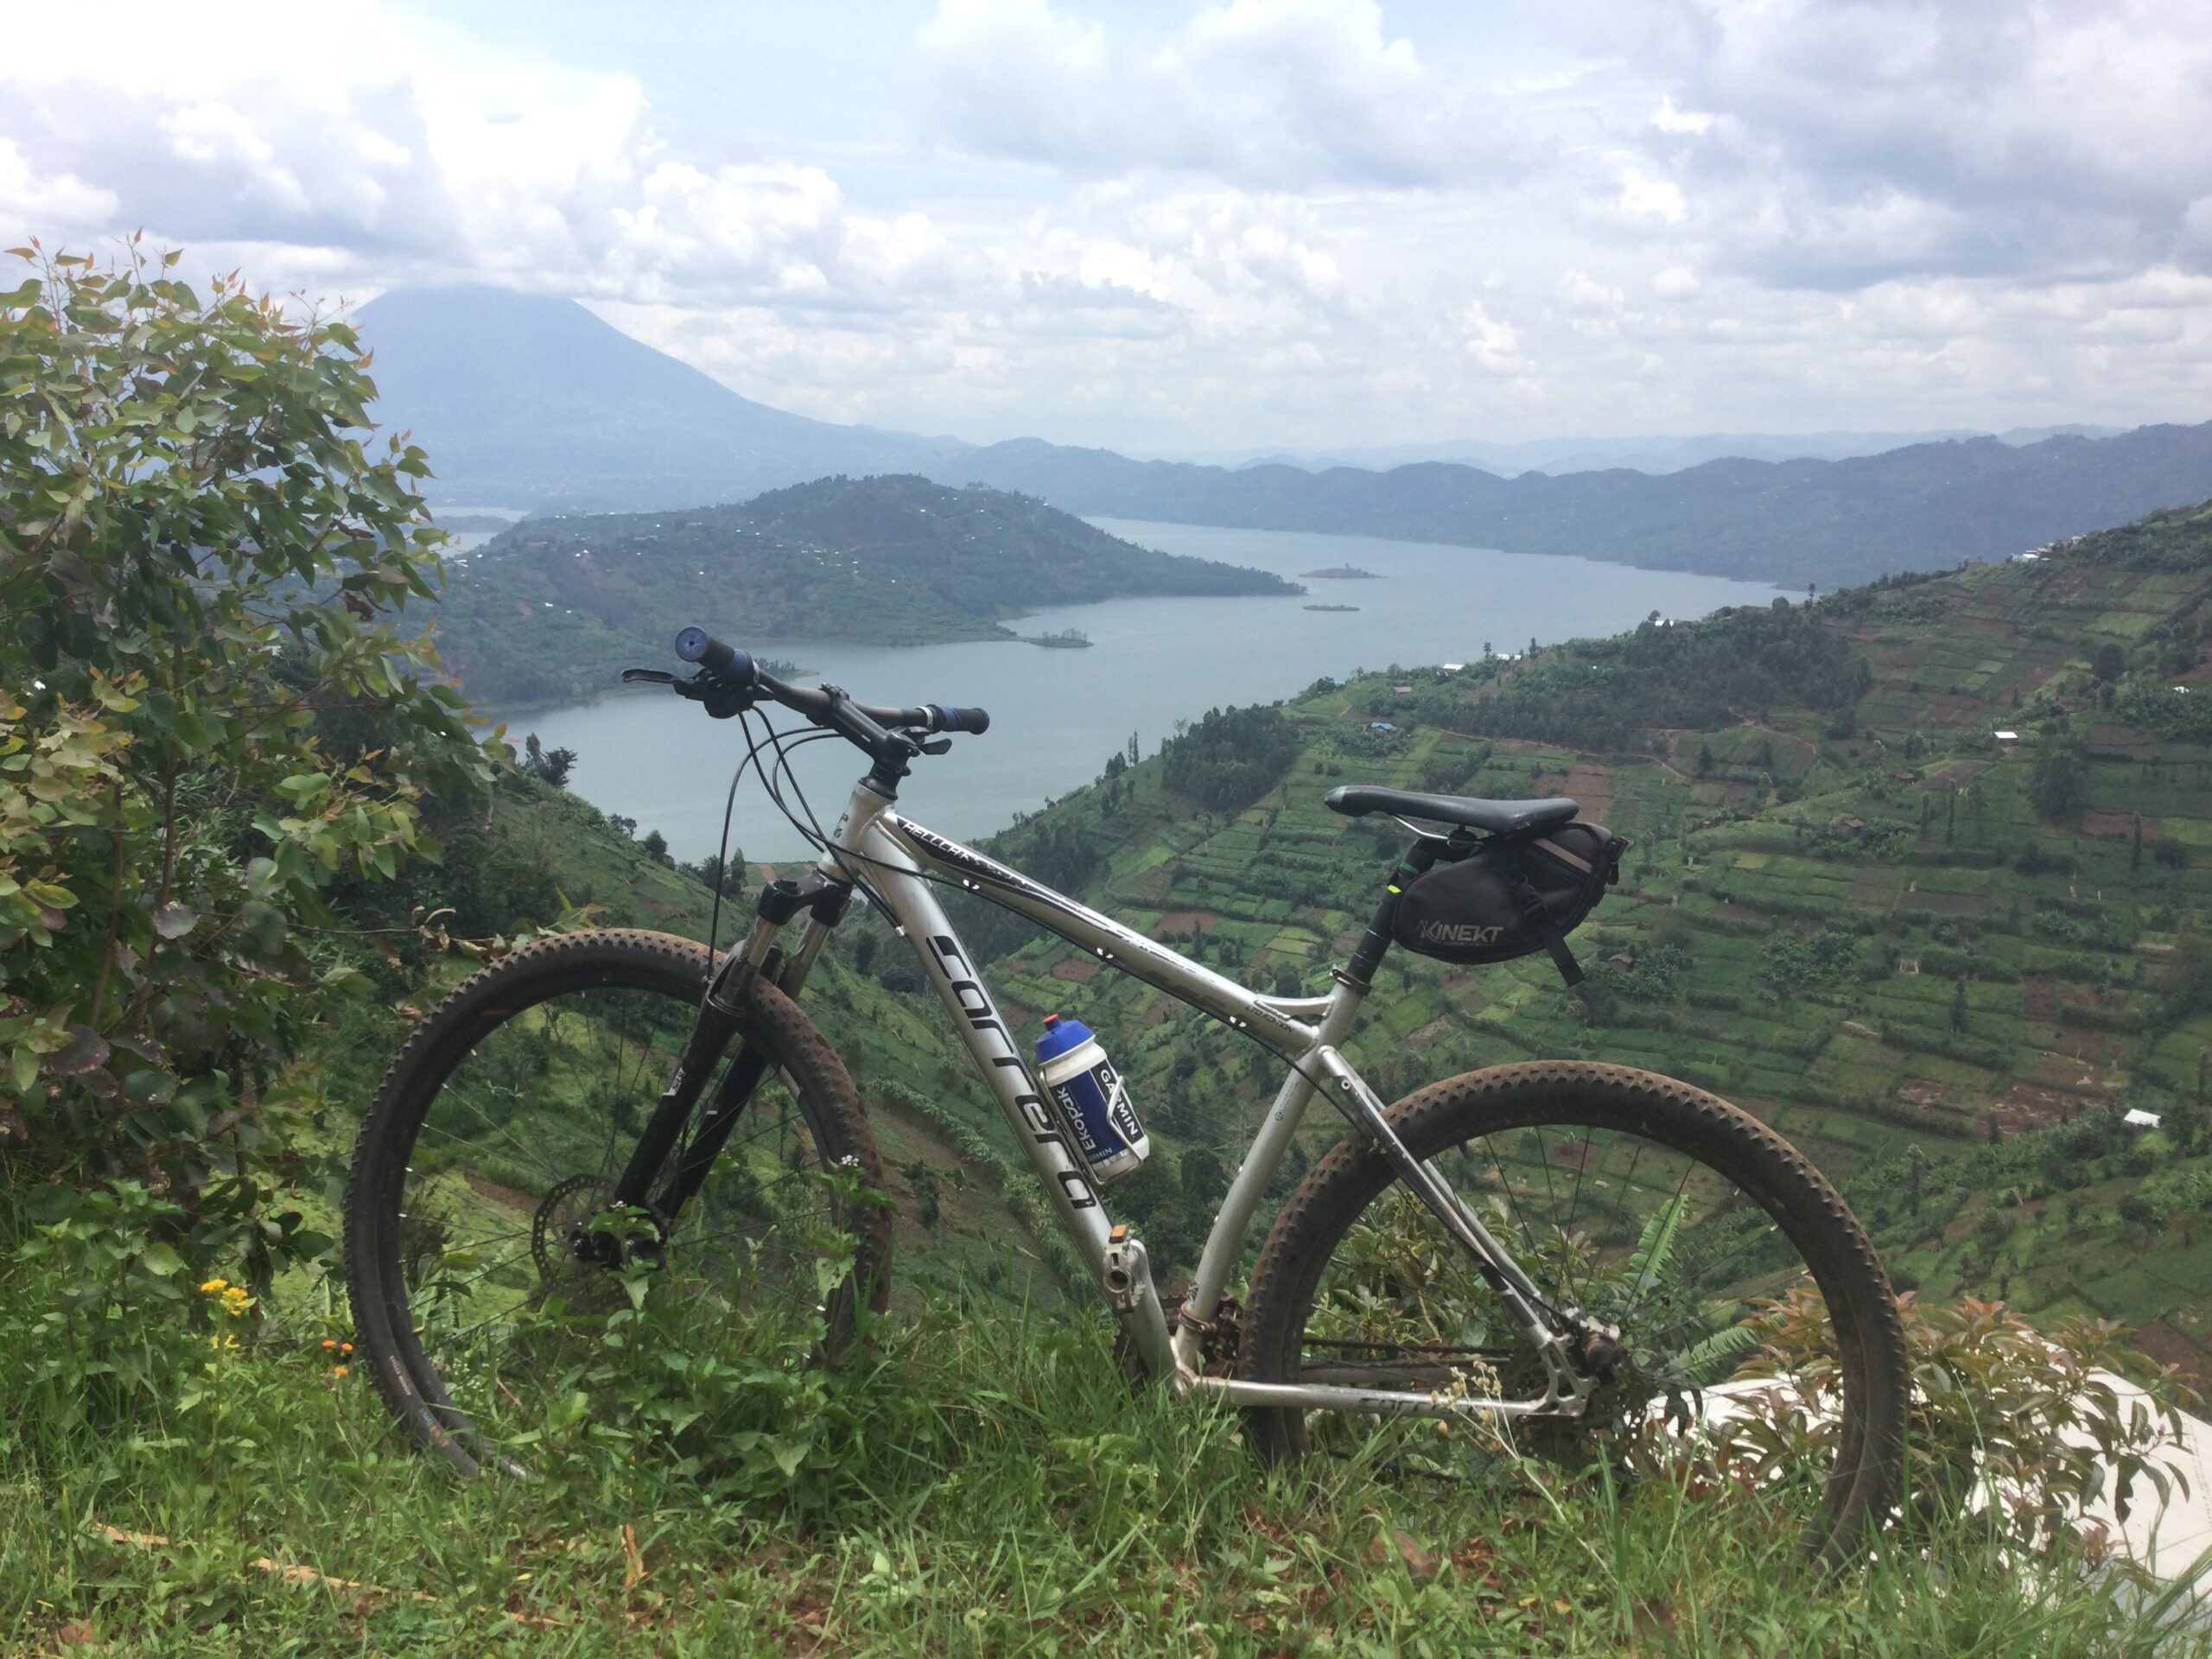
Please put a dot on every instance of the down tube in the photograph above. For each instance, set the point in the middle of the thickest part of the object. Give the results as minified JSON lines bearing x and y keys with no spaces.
{"x":960,"y":987}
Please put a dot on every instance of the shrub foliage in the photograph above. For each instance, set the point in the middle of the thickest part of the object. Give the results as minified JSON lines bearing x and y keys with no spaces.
{"x":208,"y":713}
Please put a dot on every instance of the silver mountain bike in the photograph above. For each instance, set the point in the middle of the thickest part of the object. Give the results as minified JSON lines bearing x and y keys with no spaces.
{"x":1576,"y":1260}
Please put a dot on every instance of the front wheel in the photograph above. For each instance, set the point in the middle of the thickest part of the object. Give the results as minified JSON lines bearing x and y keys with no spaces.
{"x":489,"y":1271}
{"x":1682,"y":1238}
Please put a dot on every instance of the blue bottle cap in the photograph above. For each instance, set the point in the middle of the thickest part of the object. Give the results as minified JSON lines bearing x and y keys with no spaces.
{"x":1061,"y":1034}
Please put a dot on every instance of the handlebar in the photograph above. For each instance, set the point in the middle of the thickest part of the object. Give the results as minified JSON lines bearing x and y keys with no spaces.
{"x":883,"y":732}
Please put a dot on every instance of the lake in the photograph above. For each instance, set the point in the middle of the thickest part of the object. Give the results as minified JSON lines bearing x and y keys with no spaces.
{"x":1055,"y":715}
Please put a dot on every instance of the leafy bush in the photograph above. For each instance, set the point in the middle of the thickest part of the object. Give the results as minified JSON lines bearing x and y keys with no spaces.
{"x":199,"y":560}
{"x":2001,"y":1411}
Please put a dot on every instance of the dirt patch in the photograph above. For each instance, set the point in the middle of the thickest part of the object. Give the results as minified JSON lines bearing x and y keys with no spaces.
{"x":2070,"y":1075}
{"x":1877,"y":886}
{"x":1074,"y":969}
{"x":1729,"y":911}
{"x":507,"y":1197}
{"x":2039,"y":999}
{"x":2168,"y":1347}
{"x":1430,"y":1034}
{"x":2092,"y":1048}
{"x":1952,"y":707}
{"x":1183,"y":922}
{"x":1985,"y":627}
{"x":2117,"y":825}
{"x":1594,"y":787}
{"x":2028,"y":1106}
{"x":1573,"y":1155}
{"x":1152,"y":885}
{"x":1958,"y":772}
{"x":1761,"y":1109}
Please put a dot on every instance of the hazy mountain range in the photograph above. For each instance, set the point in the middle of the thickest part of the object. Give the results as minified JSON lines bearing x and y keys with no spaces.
{"x":529,"y":401}
{"x":1651,"y":453}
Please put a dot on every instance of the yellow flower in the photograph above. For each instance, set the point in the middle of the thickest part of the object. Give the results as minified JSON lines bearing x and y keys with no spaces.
{"x":216,"y":1286}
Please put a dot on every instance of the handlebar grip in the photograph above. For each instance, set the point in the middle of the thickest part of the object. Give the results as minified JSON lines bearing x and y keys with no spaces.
{"x":974,"y":721}
{"x":726,"y":662}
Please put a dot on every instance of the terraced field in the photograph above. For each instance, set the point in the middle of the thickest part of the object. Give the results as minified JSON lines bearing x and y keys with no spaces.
{"x":1863,"y":918}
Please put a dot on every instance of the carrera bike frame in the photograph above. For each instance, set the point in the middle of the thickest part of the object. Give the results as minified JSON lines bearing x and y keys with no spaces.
{"x":898,"y":861}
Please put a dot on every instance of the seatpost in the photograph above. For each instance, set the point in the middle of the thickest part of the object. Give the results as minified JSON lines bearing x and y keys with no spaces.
{"x":1376,"y":940}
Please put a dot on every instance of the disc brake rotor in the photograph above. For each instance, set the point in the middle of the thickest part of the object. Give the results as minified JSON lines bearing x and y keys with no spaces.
{"x":558,"y":1224}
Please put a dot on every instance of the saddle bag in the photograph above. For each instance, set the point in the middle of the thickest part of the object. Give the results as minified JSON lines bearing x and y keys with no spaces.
{"x":1510,"y":896}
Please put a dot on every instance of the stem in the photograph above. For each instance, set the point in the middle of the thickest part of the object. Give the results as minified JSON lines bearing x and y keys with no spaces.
{"x":114,"y":904}
{"x":169,"y":827}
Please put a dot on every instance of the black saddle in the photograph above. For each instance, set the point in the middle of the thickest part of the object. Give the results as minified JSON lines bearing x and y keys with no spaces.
{"x":1493,"y":817}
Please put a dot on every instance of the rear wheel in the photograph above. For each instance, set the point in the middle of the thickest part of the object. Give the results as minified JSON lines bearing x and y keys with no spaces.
{"x":1679,"y":1238}
{"x":483,"y":1258}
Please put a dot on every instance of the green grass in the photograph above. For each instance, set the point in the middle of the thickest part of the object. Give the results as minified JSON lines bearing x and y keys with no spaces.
{"x":999,"y":1489}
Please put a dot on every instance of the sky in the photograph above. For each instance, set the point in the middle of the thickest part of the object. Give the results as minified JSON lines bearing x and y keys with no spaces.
{"x":1229,"y":226}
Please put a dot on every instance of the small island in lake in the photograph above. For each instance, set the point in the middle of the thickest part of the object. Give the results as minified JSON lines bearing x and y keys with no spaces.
{"x":1333,"y":607}
{"x":1342,"y":573}
{"x":1066,"y":640}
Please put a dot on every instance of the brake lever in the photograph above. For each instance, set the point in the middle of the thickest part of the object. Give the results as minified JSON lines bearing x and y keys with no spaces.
{"x":938,"y":746}
{"x":721,"y":702}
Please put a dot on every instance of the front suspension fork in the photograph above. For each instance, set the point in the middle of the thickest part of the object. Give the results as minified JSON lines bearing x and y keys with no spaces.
{"x":721,"y":1016}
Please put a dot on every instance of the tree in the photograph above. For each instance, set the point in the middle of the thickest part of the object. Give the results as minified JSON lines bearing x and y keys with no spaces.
{"x":1959,"y":1006}
{"x":2109,"y":662}
{"x":554,"y":766}
{"x":2060,"y":783}
{"x":208,"y":713}
{"x":1705,"y":759}
{"x":656,"y":846}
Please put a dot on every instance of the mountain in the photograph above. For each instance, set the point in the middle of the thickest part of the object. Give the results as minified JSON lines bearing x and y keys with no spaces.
{"x":1926,"y":507}
{"x":1646,"y":454}
{"x":555,"y":608}
{"x":532,"y":402}
{"x":1942,"y":962}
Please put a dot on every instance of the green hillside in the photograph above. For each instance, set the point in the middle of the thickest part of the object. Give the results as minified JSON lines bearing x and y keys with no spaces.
{"x":1940,"y":963}
{"x":554,"y":609}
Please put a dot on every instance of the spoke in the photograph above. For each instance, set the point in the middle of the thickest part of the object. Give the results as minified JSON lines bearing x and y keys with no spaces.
{"x":1528,"y":1235}
{"x":498,"y":1129}
{"x":1575,"y":1203}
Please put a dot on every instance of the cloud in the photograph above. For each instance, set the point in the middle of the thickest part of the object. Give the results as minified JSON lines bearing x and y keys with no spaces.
{"x":1644,"y":197}
{"x":1293,"y":223}
{"x":1871,"y":138}
{"x":1265,"y":93}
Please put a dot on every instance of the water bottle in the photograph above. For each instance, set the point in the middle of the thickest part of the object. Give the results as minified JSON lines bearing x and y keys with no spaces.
{"x":1092,"y":1096}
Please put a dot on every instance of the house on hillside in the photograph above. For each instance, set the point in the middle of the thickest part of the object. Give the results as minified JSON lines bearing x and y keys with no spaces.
{"x":1380,"y":726}
{"x":2006,"y":740}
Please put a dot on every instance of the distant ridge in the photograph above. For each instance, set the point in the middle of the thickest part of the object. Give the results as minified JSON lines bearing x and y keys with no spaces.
{"x":1924,"y":507}
{"x":527,"y":401}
